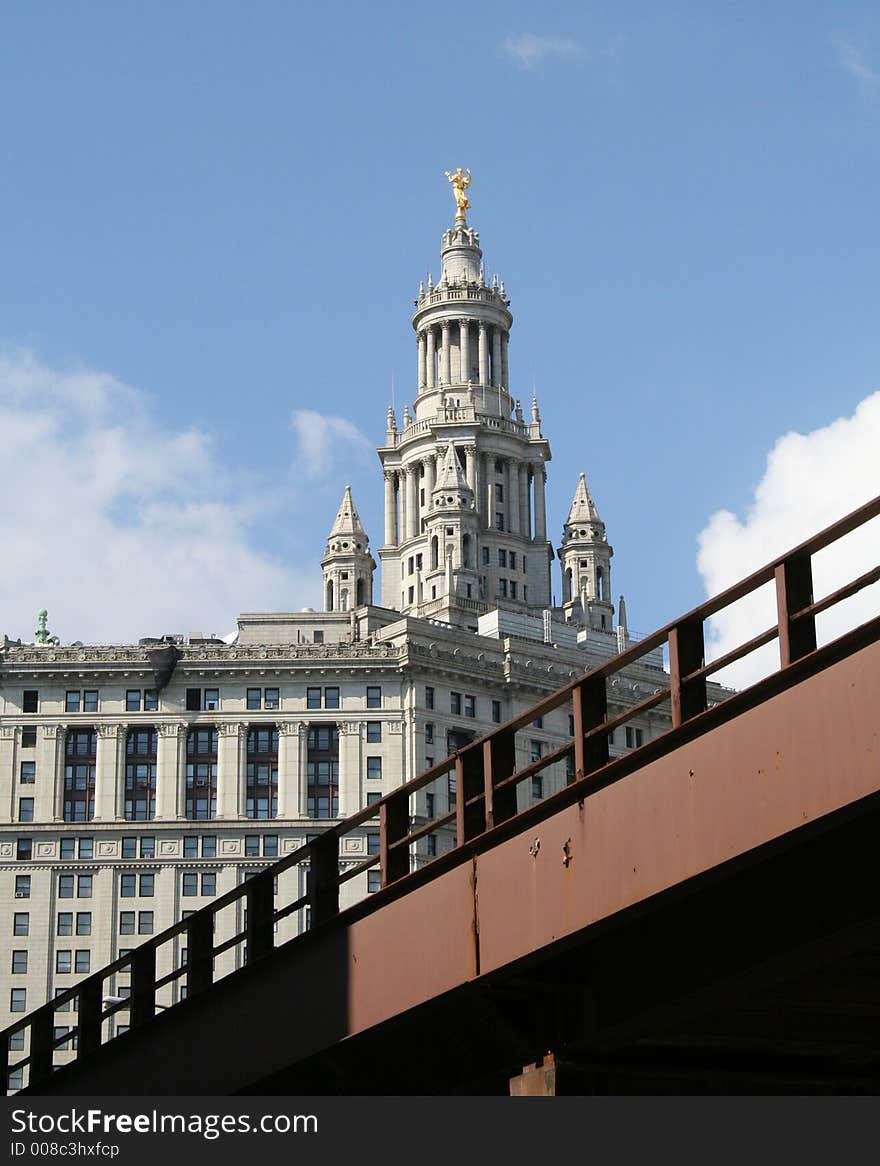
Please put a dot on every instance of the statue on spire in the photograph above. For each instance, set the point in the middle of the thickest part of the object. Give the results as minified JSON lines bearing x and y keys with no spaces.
{"x":460,"y":181}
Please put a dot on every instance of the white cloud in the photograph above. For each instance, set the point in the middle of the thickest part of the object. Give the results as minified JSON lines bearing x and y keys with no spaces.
{"x":120,"y":527}
{"x":326,"y":444}
{"x":852,"y":60}
{"x":529,"y":50}
{"x":811,"y":480}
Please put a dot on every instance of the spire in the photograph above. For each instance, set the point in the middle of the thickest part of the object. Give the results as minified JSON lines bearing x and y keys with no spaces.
{"x":348,"y":521}
{"x":583,"y":508}
{"x":451,"y":477}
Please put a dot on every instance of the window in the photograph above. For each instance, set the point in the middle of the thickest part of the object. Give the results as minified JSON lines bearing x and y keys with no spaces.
{"x":72,"y":1003}
{"x":82,"y":961}
{"x":24,"y":849}
{"x":502,"y":557}
{"x":133,"y":700}
{"x":429,"y":806}
{"x":146,"y":885}
{"x":262,"y":772}
{"x":511,"y":558}
{"x":212,"y":699}
{"x":30,"y":700}
{"x":86,"y":848}
{"x":68,"y":848}
{"x":502,"y":588}
{"x":455,"y":703}
{"x":18,"y":1000}
{"x":19,"y":961}
{"x":129,"y":847}
{"x":429,"y":762}
{"x":64,"y":961}
{"x":374,"y":768}
{"x":317,"y":637}
{"x":513,"y":588}
{"x":431,"y":845}
{"x":270,"y":845}
{"x":538,"y":786}
{"x":538,"y":723}
{"x":145,"y":922}
{"x":254,"y":698}
{"x":29,"y":737}
{"x":21,"y":923}
{"x":209,"y":883}
{"x":151,"y":700}
{"x":374,"y":881}
{"x":373,"y":842}
{"x":128,"y":886}
{"x":84,"y":923}
{"x":28,"y":772}
{"x":64,"y":925}
{"x":22,"y":886}
{"x":190,"y":883}
{"x":499,"y":521}
{"x":25,"y":809}
{"x":470,"y":706}
{"x":15,"y":1044}
{"x":193,"y":700}
{"x":372,"y":798}
{"x":374,"y":732}
{"x":496,"y":712}
{"x":201,"y":774}
{"x":322,"y":771}
{"x":331,"y":698}
{"x":84,"y":886}
{"x":313,"y":698}
{"x":429,"y":732}
{"x":65,"y":886}
{"x":190,"y":846}
{"x":126,"y":922}
{"x":81,"y":755}
{"x":86,"y":702}
{"x":429,"y":697}
{"x":374,"y":696}
{"x":209,"y":846}
{"x":536,"y":750}
{"x":251,"y":845}
{"x":452,"y":789}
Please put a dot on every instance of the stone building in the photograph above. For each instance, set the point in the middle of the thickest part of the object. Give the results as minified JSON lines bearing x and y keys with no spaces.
{"x":137,"y":781}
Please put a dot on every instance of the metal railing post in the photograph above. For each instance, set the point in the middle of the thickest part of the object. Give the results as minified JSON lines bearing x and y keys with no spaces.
{"x":323,"y":878}
{"x":90,"y":1007}
{"x":687,"y":653}
{"x":199,"y":952}
{"x":794,"y":591}
{"x":41,"y":1051}
{"x":499,"y":762}
{"x":393,"y":827}
{"x":260,"y":898}
{"x":143,"y":985}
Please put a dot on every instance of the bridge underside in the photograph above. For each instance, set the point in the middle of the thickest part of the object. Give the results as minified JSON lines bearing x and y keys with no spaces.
{"x":708,"y":923}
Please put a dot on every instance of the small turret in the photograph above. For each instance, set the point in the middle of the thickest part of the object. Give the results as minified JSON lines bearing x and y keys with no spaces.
{"x":348,"y":565}
{"x":585,"y":556}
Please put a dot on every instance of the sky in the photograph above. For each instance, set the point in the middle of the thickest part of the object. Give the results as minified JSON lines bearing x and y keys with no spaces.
{"x":215,"y":217}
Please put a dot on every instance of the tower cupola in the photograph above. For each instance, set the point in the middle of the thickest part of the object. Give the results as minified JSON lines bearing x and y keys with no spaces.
{"x":585,"y":556}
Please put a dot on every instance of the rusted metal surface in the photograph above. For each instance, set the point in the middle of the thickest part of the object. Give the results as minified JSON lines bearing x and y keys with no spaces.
{"x":413,"y":949}
{"x":795,"y":758}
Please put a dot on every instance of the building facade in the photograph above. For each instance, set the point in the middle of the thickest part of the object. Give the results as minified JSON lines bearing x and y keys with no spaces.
{"x":138,"y":781}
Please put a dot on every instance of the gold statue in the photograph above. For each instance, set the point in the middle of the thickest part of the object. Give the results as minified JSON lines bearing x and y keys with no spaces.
{"x":460,"y":182}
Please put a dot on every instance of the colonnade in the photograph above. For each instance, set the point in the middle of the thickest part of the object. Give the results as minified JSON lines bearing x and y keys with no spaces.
{"x":518,"y":507}
{"x":462,"y":350}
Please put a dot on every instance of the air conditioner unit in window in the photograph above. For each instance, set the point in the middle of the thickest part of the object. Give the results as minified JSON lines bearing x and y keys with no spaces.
{"x":201,"y":781}
{"x":21,"y":894}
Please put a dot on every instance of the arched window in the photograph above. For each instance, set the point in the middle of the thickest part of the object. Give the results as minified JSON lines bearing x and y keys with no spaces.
{"x":466,"y":550}
{"x":360,"y":593}
{"x":330,"y":595}
{"x":568,"y":585}
{"x":435,"y":553}
{"x":600,"y":584}
{"x":343,"y":600}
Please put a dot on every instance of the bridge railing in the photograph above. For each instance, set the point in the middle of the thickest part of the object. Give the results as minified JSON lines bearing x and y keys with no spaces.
{"x":487,"y":785}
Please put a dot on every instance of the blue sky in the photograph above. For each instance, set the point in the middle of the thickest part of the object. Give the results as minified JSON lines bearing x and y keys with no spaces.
{"x":215,"y":217}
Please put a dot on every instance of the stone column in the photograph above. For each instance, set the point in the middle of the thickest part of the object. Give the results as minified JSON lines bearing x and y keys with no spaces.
{"x":445,"y":376}
{"x":390,"y":511}
{"x":496,"y":356}
{"x":429,"y":357}
{"x":525,"y":518}
{"x":291,"y":795}
{"x":483,"y":354}
{"x":430,"y":478}
{"x":108,"y":772}
{"x":169,"y":770}
{"x":412,"y":507}
{"x":470,"y":460}
{"x":464,"y":350}
{"x":505,"y":371}
{"x":230,"y":783}
{"x":350,"y":765}
{"x":475,"y":484}
{"x":540,"y":504}
{"x":423,"y":360}
{"x":10,"y":762}
{"x":513,"y":495}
